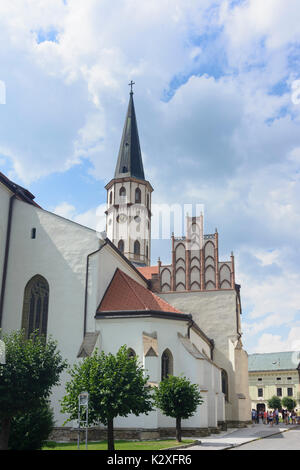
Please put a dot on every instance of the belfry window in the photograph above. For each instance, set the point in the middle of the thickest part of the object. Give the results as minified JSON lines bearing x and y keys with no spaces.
{"x":121,"y":246}
{"x":122,"y":192}
{"x":166,"y":364}
{"x":138,"y":196}
{"x":137,"y":248}
{"x":35,"y":306}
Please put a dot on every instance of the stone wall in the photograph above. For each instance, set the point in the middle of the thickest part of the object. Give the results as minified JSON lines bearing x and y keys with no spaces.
{"x":65,"y":434}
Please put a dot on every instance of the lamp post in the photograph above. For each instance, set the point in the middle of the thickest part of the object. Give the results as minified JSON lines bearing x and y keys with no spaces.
{"x":83,"y":403}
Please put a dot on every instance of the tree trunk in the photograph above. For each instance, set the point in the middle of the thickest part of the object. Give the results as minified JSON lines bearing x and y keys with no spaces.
{"x":178,"y":429}
{"x":4,"y":433}
{"x":110,"y":435}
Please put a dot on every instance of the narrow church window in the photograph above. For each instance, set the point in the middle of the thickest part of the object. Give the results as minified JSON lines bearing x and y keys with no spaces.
{"x":131,"y":352}
{"x":110,"y":197}
{"x":122,"y":192}
{"x":148,"y":201}
{"x":224,"y":377}
{"x":138,"y":196}
{"x":166,"y":364}
{"x":35,"y":306}
{"x":137,"y":248}
{"x":33,"y":233}
{"x":121,"y":246}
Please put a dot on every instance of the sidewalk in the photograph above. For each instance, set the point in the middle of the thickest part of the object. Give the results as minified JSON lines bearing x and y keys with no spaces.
{"x":238,"y":436}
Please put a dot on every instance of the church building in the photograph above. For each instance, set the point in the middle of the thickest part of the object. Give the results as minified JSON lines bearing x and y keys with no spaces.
{"x":92,"y":291}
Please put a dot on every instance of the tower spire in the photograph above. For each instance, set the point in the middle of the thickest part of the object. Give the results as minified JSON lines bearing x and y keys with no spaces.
{"x":130,"y":161}
{"x":131,"y":85}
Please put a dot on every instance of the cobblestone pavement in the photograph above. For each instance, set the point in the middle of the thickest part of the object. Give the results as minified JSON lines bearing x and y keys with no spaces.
{"x":237,"y":437}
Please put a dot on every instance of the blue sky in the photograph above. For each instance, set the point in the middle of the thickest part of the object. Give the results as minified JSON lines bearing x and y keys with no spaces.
{"x":218,"y":111}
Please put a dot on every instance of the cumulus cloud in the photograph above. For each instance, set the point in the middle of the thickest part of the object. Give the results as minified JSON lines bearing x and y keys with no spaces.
{"x":217,"y":120}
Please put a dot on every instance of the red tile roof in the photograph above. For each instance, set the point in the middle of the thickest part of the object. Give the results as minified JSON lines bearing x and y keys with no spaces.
{"x":147,"y":271}
{"x":124,"y":294}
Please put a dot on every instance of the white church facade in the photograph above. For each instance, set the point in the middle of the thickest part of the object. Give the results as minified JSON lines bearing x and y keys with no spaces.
{"x":91,"y":292}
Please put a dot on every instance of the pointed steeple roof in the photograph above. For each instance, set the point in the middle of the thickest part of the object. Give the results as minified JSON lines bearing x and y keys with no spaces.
{"x":130,"y":157}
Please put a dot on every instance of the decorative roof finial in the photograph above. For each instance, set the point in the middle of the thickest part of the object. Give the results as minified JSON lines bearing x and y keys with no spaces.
{"x":131,"y":85}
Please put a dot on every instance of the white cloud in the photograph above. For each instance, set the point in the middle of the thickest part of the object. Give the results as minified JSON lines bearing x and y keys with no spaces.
{"x":276,"y":343}
{"x":93,"y":218}
{"x":223,"y":138}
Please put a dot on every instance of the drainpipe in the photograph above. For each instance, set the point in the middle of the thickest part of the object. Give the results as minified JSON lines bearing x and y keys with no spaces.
{"x":6,"y":253}
{"x":86,"y":285}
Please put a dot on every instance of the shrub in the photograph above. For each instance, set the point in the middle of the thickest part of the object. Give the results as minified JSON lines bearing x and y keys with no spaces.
{"x":30,"y":431}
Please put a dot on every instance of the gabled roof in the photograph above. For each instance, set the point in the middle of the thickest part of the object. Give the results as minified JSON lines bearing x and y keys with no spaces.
{"x":147,"y":271}
{"x":20,"y":192}
{"x":287,"y":360}
{"x":125,"y":294}
{"x":130,"y":157}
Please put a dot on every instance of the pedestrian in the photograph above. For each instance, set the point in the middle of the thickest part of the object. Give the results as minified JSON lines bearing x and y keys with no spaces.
{"x":287,"y":417}
{"x":265,"y":417}
{"x":253,"y":416}
{"x":277,"y":416}
{"x":271,"y":418}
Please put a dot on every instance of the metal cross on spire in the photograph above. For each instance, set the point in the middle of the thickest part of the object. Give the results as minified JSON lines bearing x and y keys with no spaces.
{"x":131,"y":85}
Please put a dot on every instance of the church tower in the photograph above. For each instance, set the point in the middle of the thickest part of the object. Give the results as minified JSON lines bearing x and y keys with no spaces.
{"x":128,"y":214}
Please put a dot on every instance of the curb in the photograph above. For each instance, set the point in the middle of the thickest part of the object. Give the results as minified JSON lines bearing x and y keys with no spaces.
{"x":256,"y":439}
{"x":184,"y":446}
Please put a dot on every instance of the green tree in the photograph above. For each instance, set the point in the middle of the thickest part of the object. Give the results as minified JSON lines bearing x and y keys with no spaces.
{"x":116,"y":385}
{"x":289,"y":403}
{"x":33,"y":367}
{"x":177,"y":397}
{"x":31,"y":430}
{"x":274,"y":403}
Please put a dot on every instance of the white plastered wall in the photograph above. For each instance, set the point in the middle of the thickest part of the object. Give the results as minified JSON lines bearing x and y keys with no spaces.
{"x":5,"y":195}
{"x":215,"y":313}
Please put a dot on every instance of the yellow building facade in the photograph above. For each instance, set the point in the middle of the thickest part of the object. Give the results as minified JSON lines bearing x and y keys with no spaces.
{"x":273,"y":374}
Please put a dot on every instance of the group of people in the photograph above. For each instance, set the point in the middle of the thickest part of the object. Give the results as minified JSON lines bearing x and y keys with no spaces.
{"x":272,"y":417}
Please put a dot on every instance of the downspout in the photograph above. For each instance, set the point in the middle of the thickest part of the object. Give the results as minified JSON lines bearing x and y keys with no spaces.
{"x":86,"y":285}
{"x":6,"y":253}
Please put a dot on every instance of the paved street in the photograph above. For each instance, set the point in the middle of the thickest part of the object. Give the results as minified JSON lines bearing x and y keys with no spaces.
{"x":253,"y":435}
{"x":289,"y":440}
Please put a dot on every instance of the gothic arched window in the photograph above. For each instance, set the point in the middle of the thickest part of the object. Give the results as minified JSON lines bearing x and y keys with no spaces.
{"x":137,"y":248}
{"x":138,"y":196}
{"x":224,"y":378}
{"x":166,"y":364}
{"x":122,"y":192}
{"x":131,"y":352}
{"x":35,"y":306}
{"x":121,"y":246}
